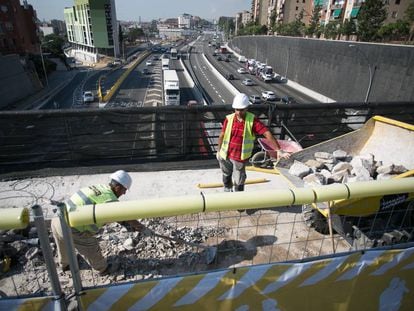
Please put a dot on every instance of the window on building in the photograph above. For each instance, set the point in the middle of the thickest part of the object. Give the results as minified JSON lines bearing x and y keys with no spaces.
{"x":394,"y":14}
{"x":397,"y":1}
{"x":9,"y":26}
{"x":303,"y":1}
{"x":4,"y":8}
{"x":297,"y":8}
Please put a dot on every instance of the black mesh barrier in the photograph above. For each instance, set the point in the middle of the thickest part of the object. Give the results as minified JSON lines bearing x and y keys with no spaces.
{"x":33,"y":140}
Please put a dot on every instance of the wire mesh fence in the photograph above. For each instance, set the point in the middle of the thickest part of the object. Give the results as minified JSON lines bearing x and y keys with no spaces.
{"x":58,"y":138}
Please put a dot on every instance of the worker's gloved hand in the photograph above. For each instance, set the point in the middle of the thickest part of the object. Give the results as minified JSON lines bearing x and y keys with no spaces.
{"x":283,"y":155}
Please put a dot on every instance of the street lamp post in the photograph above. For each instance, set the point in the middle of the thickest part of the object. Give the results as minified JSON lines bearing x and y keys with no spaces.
{"x":43,"y":64}
{"x":371,"y":72}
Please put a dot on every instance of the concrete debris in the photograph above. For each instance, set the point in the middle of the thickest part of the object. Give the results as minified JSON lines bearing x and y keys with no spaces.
{"x":133,"y":255}
{"x":299,"y":169}
{"x":340,"y":167}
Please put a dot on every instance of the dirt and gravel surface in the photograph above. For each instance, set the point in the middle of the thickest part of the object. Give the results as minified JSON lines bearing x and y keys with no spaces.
{"x":240,"y":239}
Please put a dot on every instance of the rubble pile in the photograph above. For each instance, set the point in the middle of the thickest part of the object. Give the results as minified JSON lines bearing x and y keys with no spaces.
{"x":138,"y":255}
{"x":340,"y":167}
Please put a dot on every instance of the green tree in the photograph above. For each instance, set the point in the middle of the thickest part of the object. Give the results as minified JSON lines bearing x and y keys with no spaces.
{"x":370,"y":19}
{"x":272,"y":19}
{"x":332,"y":30}
{"x":395,"y":31}
{"x":409,"y":16}
{"x":314,"y":24}
{"x":348,"y":28}
{"x":53,"y":44}
{"x":134,"y":34}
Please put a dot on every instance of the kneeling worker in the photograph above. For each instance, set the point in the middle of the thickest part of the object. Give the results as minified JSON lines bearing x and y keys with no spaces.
{"x":236,"y":142}
{"x":84,"y":238}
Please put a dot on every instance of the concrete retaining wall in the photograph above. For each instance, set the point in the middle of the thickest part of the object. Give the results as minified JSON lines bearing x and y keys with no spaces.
{"x":334,"y":69}
{"x":15,"y":82}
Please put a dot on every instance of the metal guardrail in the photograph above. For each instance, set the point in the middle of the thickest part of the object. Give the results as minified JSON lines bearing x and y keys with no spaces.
{"x":119,"y":136}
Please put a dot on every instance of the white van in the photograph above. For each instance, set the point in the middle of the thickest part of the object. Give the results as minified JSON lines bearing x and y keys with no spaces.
{"x":242,"y":59}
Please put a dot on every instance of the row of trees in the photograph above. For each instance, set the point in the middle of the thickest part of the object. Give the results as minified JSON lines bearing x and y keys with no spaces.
{"x":368,"y":26}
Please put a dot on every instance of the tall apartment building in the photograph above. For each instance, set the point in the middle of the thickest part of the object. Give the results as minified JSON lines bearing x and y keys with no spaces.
{"x":184,"y":21}
{"x":340,"y":10}
{"x":18,"y":28}
{"x":92,"y":29}
{"x":242,"y":18}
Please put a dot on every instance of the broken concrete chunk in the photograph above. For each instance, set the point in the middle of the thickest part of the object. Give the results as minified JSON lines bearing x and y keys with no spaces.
{"x":315,"y":179}
{"x":340,"y":154}
{"x":299,"y":169}
{"x":361,"y":173}
{"x":326,"y":173}
{"x":128,"y":244}
{"x":341,"y":166}
{"x":366,"y":161}
{"x":323,"y":155}
{"x":399,"y":169}
{"x":385,"y":169}
{"x":326,"y":161}
{"x":384,"y":176}
{"x":314,"y":164}
{"x":339,"y":176}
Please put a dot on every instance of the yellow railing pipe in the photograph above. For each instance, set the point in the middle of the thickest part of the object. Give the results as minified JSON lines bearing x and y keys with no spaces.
{"x":14,"y":218}
{"x":172,"y":206}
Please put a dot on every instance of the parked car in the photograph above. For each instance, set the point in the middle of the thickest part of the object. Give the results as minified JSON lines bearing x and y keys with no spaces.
{"x":145,"y":71}
{"x":241,"y":70}
{"x":117,"y":62}
{"x":227,"y":60}
{"x":229,"y":76}
{"x":289,"y":100}
{"x":88,"y":97}
{"x":148,"y":63}
{"x":269,"y":96}
{"x":219,"y":58}
{"x":255,"y":99}
{"x":248,"y":82}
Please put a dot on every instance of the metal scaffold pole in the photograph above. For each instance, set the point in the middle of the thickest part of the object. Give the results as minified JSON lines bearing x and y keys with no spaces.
{"x":48,"y":257}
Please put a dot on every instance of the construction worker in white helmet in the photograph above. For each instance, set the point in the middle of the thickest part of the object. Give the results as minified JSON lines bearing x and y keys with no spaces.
{"x":84,"y":238}
{"x":236,"y":142}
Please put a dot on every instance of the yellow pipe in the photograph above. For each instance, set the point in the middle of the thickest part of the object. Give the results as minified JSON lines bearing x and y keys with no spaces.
{"x":263,"y":170}
{"x":14,"y":218}
{"x":162,"y":207}
{"x":218,"y":185}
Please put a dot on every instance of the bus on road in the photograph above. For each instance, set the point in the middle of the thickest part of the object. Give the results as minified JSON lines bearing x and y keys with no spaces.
{"x":174,"y":53}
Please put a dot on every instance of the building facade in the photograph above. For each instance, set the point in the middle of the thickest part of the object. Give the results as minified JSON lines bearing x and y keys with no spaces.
{"x":92,"y":29}
{"x":184,"y":21}
{"x":18,"y":28}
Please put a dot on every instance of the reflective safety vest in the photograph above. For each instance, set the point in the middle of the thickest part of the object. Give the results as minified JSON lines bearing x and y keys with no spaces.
{"x":248,"y":137}
{"x":97,"y":194}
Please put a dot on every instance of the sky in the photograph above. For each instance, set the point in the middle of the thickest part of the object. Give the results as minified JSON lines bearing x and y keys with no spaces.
{"x":131,"y":10}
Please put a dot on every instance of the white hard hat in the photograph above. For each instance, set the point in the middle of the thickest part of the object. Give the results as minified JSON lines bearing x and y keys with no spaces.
{"x":122,"y":178}
{"x":241,"y":101}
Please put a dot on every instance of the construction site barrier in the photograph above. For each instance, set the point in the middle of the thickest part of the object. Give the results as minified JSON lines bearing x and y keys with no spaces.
{"x":213,"y":202}
{"x":370,"y":280}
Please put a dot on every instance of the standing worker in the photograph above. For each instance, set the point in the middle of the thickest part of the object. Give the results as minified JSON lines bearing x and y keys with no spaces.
{"x":84,"y":238}
{"x":236,"y":142}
